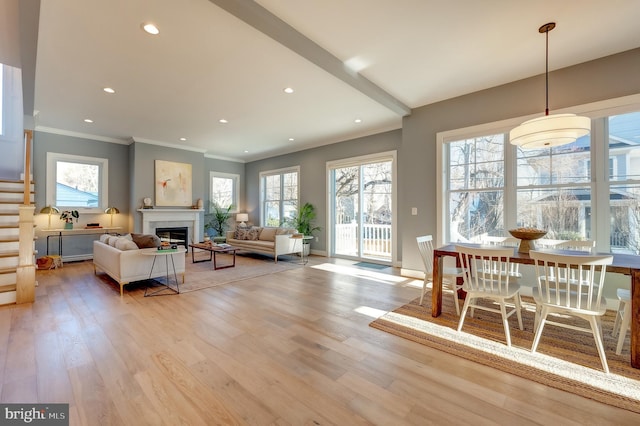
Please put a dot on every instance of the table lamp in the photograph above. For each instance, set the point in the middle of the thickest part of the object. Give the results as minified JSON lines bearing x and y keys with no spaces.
{"x":112,"y":211}
{"x":242,"y":218}
{"x":50,"y":210}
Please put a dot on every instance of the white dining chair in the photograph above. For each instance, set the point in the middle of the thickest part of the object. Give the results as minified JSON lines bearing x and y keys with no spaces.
{"x":493,"y":283}
{"x":581,"y":296}
{"x":449,"y":275}
{"x":514,"y":268}
{"x":578,"y":245}
{"x":623,"y":317}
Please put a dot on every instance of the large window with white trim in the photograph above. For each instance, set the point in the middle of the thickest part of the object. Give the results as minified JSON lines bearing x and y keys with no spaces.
{"x":224,"y":190}
{"x":279,"y":195}
{"x":584,"y":190}
{"x":77,"y":182}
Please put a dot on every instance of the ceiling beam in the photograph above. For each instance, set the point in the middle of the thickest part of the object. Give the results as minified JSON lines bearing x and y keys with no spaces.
{"x":269,"y":24}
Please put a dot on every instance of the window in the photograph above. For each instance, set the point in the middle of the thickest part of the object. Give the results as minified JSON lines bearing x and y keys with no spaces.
{"x":554,"y":190}
{"x":623,"y":135}
{"x":584,"y":190}
{"x":77,"y":182}
{"x":476,"y":187}
{"x":279,"y":194}
{"x":224,"y":190}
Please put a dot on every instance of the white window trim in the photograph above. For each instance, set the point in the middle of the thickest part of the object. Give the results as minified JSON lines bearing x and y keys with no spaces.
{"x":235,"y":197}
{"x":54,"y":157}
{"x":600,"y":184}
{"x":262,"y":175}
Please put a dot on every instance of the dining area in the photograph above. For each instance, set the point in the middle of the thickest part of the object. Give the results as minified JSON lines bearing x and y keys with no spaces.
{"x":568,"y":280}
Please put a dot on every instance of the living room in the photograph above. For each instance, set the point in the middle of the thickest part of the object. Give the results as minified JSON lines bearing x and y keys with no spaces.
{"x":392,"y":371}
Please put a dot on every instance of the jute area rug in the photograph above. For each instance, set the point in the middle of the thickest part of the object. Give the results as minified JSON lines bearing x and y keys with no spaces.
{"x":201,"y":275}
{"x":565,"y":359}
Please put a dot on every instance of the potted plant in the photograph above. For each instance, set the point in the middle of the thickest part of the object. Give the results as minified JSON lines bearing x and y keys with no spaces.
{"x":302,"y":221}
{"x":68,"y":216}
{"x":217,"y":221}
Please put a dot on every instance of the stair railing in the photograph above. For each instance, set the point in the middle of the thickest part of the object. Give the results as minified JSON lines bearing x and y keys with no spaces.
{"x":26,"y":271}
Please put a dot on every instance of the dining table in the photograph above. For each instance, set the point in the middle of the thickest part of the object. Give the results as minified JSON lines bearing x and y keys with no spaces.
{"x":626,"y":264}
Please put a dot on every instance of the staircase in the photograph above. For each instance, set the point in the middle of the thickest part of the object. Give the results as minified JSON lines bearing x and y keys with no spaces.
{"x":11,"y":199}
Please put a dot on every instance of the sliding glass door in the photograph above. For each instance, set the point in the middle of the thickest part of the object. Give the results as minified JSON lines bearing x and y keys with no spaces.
{"x":362,"y":204}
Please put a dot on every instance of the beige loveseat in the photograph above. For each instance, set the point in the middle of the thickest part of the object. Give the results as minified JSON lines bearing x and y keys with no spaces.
{"x":267,"y":240}
{"x":122,"y":260}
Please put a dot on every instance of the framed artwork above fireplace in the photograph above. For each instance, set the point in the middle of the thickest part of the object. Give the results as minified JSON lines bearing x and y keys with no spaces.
{"x":173,"y":184}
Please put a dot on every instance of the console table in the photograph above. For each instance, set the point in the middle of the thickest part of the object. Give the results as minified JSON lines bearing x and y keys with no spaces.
{"x":61,"y":232}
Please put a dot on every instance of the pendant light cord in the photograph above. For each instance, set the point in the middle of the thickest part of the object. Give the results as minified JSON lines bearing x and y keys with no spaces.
{"x":546,"y":111}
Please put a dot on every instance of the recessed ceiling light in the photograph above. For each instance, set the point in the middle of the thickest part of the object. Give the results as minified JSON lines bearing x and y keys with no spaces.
{"x":288,"y":90}
{"x":183,"y":139}
{"x":109,"y":90}
{"x":223,"y":121}
{"x":291,"y":139}
{"x":88,"y":120}
{"x":150,"y":28}
{"x":357,"y":120}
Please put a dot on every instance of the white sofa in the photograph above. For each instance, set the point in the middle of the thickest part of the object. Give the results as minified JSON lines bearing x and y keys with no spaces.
{"x":126,"y":266}
{"x":267,"y":240}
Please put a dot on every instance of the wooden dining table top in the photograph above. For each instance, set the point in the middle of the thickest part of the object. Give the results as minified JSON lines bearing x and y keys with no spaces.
{"x":622,"y":263}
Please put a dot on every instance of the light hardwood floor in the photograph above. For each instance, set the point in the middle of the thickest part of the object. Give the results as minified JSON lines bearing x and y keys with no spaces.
{"x":290,"y":348}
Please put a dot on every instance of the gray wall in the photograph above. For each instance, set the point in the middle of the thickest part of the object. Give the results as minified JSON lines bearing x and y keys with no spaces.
{"x":606,"y":78}
{"x":223,"y":166}
{"x":131,"y":170}
{"x":313,"y":180}
{"x":119,"y":178}
{"x":131,"y":178}
{"x":143,"y":156}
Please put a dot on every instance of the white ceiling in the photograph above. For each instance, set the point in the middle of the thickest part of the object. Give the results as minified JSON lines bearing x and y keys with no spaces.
{"x":207,"y":64}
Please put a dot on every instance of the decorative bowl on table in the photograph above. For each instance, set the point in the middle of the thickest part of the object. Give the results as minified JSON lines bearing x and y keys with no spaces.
{"x":526,"y":236}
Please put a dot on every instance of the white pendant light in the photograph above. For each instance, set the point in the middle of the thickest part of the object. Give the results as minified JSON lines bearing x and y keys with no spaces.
{"x":549,"y":130}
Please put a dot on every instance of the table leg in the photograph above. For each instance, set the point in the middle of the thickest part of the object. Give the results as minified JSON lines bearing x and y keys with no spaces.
{"x":215,"y":265}
{"x":635,"y":318}
{"x":166,"y":284}
{"x":436,"y":291}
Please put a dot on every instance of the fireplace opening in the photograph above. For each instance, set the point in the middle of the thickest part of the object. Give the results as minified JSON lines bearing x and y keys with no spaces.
{"x":175,"y":235}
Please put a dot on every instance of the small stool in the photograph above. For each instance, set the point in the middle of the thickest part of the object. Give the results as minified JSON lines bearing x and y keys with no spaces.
{"x":623,"y":317}
{"x":57,"y":261}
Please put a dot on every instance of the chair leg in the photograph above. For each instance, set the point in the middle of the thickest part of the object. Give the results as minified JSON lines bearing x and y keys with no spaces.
{"x":424,"y":290}
{"x":505,"y":322}
{"x":543,"y":319}
{"x":518,"y":304}
{"x":624,"y":325}
{"x":597,"y":335}
{"x":616,"y":323}
{"x":536,"y":320}
{"x":455,"y":300}
{"x":464,"y":312}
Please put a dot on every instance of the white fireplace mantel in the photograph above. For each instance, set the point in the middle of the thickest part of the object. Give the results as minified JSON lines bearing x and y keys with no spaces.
{"x":152,"y":217}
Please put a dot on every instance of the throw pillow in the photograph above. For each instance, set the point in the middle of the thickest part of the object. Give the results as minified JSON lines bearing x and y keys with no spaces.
{"x":125,"y":244}
{"x":112,"y":240}
{"x":146,"y":240}
{"x":241,"y":233}
{"x":104,"y":238}
{"x":253,"y":234}
{"x":268,"y":234}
